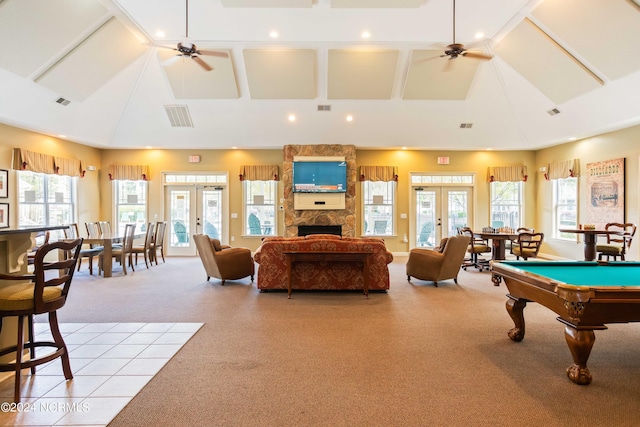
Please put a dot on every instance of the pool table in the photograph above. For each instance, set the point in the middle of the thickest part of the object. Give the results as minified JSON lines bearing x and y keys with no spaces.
{"x":585,"y":295}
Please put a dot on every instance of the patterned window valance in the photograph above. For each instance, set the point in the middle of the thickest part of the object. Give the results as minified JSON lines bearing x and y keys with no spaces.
{"x":129,"y":172}
{"x":507,"y":173}
{"x":379,"y":173}
{"x":70,"y":167}
{"x":259,"y":173}
{"x":25,"y":160}
{"x":563,"y":169}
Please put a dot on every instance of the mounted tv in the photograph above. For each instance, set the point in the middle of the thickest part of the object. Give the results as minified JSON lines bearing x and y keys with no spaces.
{"x":320,"y":176}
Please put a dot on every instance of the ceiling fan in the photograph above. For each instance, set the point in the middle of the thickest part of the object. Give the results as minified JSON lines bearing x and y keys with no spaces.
{"x":457,"y":49}
{"x":190,"y":50}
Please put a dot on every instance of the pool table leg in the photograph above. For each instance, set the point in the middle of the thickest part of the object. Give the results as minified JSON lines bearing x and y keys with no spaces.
{"x":515,"y":308}
{"x":580,"y":342}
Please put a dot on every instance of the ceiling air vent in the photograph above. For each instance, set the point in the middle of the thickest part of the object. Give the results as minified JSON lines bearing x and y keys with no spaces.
{"x":60,"y":100}
{"x":324,"y":107}
{"x":179,"y":116}
{"x":553,"y":112}
{"x":466,"y":125}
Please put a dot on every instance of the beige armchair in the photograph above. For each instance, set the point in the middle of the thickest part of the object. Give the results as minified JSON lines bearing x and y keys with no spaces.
{"x":431,"y":265}
{"x":224,"y":262}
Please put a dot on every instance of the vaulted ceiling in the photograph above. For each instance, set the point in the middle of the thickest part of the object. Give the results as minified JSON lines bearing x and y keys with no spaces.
{"x":105,"y":72}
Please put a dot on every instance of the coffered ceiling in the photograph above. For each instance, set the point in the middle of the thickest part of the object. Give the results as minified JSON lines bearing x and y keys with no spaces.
{"x":105,"y":72}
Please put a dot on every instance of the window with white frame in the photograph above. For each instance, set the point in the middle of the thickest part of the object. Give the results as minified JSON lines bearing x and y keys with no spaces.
{"x":260,"y":207}
{"x":378,"y":207}
{"x":46,"y":199}
{"x":130,"y":204}
{"x":506,"y":204}
{"x":565,"y":206}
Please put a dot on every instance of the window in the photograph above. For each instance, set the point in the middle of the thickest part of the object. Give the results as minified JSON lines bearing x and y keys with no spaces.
{"x":260,"y":207}
{"x":506,"y":204}
{"x":379,"y":201}
{"x":565,"y":206}
{"x":45,"y":199}
{"x":131,"y":204}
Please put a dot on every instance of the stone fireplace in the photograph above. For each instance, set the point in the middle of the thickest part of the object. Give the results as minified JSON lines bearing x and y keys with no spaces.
{"x":345,"y":218}
{"x":305,"y":230}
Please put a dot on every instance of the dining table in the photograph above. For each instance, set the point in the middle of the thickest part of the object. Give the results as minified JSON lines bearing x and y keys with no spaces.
{"x":107,"y":240}
{"x":590,"y":236}
{"x":498,"y":242}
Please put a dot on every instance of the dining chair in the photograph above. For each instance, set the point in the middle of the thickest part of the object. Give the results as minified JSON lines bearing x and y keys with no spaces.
{"x":145,"y":248}
{"x":45,"y":235}
{"x":71,"y":232}
{"x":158,"y":241}
{"x":43,"y":291}
{"x":105,"y":227}
{"x":93,"y":229}
{"x":616,"y":245}
{"x":124,"y":253}
{"x":475,"y":248}
{"x":528,"y":245}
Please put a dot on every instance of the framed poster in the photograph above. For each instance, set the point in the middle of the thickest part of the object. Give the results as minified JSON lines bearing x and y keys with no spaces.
{"x":4,"y":215}
{"x":4,"y":183}
{"x":605,"y":189}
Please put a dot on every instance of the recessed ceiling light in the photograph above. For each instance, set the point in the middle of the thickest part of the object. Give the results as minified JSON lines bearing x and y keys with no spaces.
{"x":349,"y":118}
{"x":292,"y":117}
{"x":62,"y":136}
{"x":274,"y":34}
{"x":234,"y":148}
{"x":160,"y":34}
{"x":365,"y":34}
{"x":479,"y":35}
{"x":404,"y":148}
{"x":573,"y":138}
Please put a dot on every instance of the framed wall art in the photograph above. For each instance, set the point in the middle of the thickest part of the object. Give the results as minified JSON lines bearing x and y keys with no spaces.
{"x":605,"y":189}
{"x":4,"y":215}
{"x":4,"y":183}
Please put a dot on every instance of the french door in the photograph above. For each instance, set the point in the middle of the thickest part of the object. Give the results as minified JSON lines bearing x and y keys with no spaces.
{"x":438,"y":212}
{"x":193,"y":209}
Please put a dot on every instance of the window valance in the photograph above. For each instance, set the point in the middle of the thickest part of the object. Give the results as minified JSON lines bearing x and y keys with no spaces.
{"x":26,"y":160}
{"x":129,"y":172}
{"x":513,"y":173}
{"x":259,"y":173}
{"x":379,"y":173}
{"x":563,"y":169}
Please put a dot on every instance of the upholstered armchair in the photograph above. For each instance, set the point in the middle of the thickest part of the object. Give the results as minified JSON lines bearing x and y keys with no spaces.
{"x":224,"y":262}
{"x":426,"y":264}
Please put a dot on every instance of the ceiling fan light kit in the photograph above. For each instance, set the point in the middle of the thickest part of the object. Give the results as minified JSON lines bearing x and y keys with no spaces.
{"x":457,"y":49}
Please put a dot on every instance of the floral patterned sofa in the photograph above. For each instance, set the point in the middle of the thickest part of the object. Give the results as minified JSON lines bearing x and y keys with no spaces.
{"x":272,"y":269}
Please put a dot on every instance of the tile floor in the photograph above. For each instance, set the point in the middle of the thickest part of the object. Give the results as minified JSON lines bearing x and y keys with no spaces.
{"x":111,"y":363}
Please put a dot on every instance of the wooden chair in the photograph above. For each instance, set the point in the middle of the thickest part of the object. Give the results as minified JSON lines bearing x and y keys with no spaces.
{"x":528,"y":245}
{"x":617,"y":245}
{"x":519,"y":230}
{"x":145,"y":248}
{"x":475,"y":248}
{"x":92,"y":251}
{"x":93,"y":229}
{"x":45,"y":291}
{"x":158,"y":241}
{"x":124,"y":253}
{"x":32,"y":253}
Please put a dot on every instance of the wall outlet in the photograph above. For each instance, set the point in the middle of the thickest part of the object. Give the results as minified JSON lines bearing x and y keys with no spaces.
{"x":234,"y":215}
{"x":233,"y":238}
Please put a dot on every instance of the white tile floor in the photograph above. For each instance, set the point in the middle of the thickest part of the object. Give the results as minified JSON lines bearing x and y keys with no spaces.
{"x":111,"y":363}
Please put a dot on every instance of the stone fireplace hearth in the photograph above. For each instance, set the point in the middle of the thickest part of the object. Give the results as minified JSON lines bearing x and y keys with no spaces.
{"x":345,"y":218}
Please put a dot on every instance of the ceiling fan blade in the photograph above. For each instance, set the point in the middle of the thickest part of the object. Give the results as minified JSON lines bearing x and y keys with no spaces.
{"x":213,"y":53}
{"x":448,"y":65}
{"x":201,"y":63}
{"x":477,"y":55}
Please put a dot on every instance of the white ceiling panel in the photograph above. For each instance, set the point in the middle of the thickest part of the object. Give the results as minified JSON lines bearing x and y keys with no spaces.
{"x":433,"y":77}
{"x":92,"y":63}
{"x":385,"y":4}
{"x":188,"y":80}
{"x":545,"y":64}
{"x":281,"y":74}
{"x":361,"y":74}
{"x":589,"y":28}
{"x":266,"y":3}
{"x":36,"y":32}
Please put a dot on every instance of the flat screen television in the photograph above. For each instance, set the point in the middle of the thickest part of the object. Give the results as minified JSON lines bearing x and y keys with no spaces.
{"x":319,"y":177}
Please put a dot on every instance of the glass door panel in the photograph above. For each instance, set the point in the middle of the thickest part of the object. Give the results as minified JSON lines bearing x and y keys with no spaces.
{"x":180,"y":221}
{"x":210,"y":211}
{"x":427,"y":217}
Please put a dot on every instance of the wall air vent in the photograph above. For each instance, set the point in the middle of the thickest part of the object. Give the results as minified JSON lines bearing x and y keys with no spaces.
{"x":466,"y":125}
{"x":61,"y":100}
{"x":553,"y":112}
{"x":324,"y":107}
{"x":179,"y":116}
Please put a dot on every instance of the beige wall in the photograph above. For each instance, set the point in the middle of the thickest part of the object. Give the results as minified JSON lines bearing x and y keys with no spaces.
{"x":623,"y":143}
{"x":94,"y":191}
